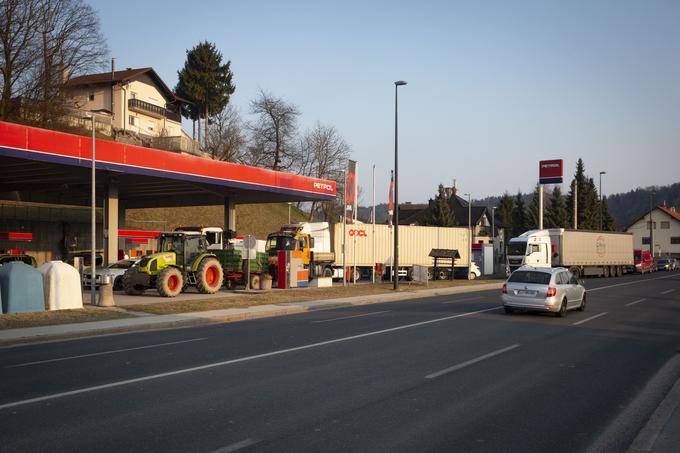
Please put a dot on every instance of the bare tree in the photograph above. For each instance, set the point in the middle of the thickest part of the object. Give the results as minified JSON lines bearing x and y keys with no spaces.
{"x":325,"y":154}
{"x":226,"y":138}
{"x":273,"y":132}
{"x":45,"y":42}
{"x":17,"y":38}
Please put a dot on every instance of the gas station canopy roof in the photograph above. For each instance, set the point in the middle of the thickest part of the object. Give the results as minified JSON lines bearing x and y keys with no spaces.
{"x":53,"y":167}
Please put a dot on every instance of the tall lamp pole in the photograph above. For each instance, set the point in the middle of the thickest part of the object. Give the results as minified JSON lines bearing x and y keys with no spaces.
{"x":601,"y":173}
{"x":493,"y":237}
{"x":93,"y":220}
{"x":651,"y":225}
{"x":469,"y":233}
{"x":395,"y":261}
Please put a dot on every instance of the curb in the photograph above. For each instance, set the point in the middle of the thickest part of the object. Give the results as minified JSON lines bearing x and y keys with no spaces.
{"x":157,"y":322}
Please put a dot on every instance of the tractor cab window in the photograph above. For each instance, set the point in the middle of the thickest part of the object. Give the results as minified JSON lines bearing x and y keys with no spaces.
{"x":302,"y":244}
{"x":195,"y":245}
{"x":280,"y":243}
{"x":173,"y":244}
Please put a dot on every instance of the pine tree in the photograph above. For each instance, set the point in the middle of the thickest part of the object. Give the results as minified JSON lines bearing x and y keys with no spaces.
{"x":608,"y":223}
{"x":591,"y":208}
{"x":534,"y":208}
{"x":557,"y":215}
{"x":205,"y":82}
{"x":519,"y":216}
{"x":504,"y":215}
{"x":440,"y":213}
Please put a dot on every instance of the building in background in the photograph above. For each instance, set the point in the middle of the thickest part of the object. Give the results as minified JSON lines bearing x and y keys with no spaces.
{"x":665,"y":231}
{"x":133,"y":106}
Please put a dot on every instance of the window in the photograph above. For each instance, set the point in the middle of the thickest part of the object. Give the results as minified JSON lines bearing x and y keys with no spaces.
{"x":645,"y":240}
{"x":540,"y":278}
{"x":131,"y":120}
{"x":562,"y":278}
{"x":665,"y":225}
{"x":91,"y":97}
{"x":675,"y":239}
{"x":648,"y":225}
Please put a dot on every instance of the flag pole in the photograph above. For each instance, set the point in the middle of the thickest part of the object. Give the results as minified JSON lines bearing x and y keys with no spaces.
{"x":373,"y":232}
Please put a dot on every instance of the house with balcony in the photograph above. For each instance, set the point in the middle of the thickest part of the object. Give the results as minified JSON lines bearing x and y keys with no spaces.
{"x":132,"y":104}
{"x":663,"y":224}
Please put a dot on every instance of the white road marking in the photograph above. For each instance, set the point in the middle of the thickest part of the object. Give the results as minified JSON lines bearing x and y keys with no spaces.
{"x":232,"y":361}
{"x":115,"y":351}
{"x":635,"y":302}
{"x":471,"y":361}
{"x":353,"y":316}
{"x":237,"y":446}
{"x":589,"y":319}
{"x":630,"y":283}
{"x":462,"y":300}
{"x":668,"y":291}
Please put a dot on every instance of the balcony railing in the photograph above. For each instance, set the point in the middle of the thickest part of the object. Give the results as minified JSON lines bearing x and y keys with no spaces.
{"x":153,"y":110}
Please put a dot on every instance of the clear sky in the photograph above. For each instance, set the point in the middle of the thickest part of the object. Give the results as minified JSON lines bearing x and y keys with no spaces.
{"x":493,"y":86}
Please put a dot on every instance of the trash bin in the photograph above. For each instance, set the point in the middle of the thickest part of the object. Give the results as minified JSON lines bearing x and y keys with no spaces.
{"x":21,"y":288}
{"x":105,"y":298}
{"x":63,"y":290}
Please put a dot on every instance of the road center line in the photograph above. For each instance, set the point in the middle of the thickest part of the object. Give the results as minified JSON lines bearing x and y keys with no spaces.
{"x":237,"y":446}
{"x":353,"y":316}
{"x":115,"y":351}
{"x":232,"y":361}
{"x":629,"y":283}
{"x":471,"y":361}
{"x":589,"y":319}
{"x":635,"y":302}
{"x":462,"y":300}
{"x":668,"y":291}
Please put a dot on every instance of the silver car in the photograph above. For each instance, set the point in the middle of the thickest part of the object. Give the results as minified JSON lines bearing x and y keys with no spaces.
{"x":553,"y":290}
{"x":114,"y":271}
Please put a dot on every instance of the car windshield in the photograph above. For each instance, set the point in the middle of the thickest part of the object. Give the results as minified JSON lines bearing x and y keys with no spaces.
{"x":539,"y":278}
{"x":123,"y":264}
{"x":517,"y":248}
{"x":637,"y":256}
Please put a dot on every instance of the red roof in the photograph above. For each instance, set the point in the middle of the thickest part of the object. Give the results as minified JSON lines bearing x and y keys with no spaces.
{"x":674,"y":214}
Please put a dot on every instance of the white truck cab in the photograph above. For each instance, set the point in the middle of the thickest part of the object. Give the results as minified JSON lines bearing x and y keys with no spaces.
{"x":532,"y":248}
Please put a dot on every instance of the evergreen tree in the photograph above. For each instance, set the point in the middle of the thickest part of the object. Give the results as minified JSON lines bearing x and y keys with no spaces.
{"x":591,"y":214}
{"x":440,"y":213}
{"x":504,"y":215}
{"x":608,"y":223}
{"x":206,"y":82}
{"x":519,"y":216}
{"x":557,"y":215}
{"x":534,"y":207}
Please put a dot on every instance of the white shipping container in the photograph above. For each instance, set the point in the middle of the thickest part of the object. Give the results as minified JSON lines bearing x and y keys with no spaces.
{"x":593,"y":248}
{"x":415,"y":244}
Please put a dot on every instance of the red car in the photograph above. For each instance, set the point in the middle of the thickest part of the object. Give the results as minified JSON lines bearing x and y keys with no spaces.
{"x":643,"y":261}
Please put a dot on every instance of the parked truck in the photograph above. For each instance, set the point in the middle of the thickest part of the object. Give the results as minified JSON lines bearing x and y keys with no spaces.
{"x":583,"y":252}
{"x":320,"y":246}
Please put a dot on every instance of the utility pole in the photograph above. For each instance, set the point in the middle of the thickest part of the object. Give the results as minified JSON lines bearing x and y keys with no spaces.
{"x":395,"y":261}
{"x":651,"y":225}
{"x":575,"y":192}
{"x":601,"y":173}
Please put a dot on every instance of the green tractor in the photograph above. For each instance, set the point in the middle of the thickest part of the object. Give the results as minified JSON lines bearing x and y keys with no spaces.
{"x":183,"y":259}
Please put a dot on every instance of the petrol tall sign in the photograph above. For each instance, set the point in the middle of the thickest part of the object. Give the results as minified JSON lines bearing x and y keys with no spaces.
{"x":550,"y":171}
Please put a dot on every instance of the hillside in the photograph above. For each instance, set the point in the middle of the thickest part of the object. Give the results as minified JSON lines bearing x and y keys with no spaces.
{"x":256,"y":219}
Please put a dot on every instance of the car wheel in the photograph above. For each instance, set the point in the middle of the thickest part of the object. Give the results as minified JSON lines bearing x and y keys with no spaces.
{"x":563,"y":309}
{"x":508,"y":310}
{"x":583,"y":303}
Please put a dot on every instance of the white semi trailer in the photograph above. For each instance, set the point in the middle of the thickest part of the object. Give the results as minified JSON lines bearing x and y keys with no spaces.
{"x":365,"y":247}
{"x":583,"y":252}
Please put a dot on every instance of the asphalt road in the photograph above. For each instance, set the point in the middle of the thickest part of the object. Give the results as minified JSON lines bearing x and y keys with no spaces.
{"x":450,"y":373}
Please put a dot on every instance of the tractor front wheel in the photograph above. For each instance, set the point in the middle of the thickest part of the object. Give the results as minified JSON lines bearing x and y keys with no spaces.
{"x":209,"y":276}
{"x":169,"y":282}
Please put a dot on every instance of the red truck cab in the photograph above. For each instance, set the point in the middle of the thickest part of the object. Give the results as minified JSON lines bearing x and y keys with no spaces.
{"x":643,"y":261}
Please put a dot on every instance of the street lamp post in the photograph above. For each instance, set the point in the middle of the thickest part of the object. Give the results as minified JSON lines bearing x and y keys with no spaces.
{"x":469,"y":233}
{"x":493,"y":237}
{"x":395,"y":261}
{"x":601,"y":173}
{"x":93,"y":220}
{"x":289,"y":205}
{"x":651,"y":225}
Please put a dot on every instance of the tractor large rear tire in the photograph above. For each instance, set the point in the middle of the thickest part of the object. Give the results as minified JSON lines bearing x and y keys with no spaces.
{"x":170,"y":282}
{"x":209,"y":276}
{"x":130,"y":286}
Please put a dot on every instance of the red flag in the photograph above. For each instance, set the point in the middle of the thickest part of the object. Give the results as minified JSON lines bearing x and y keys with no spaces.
{"x":390,"y":203}
{"x":351,"y":188}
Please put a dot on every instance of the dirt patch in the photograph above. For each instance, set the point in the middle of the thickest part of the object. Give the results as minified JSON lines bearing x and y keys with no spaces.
{"x":290,"y":295}
{"x":50,"y":318}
